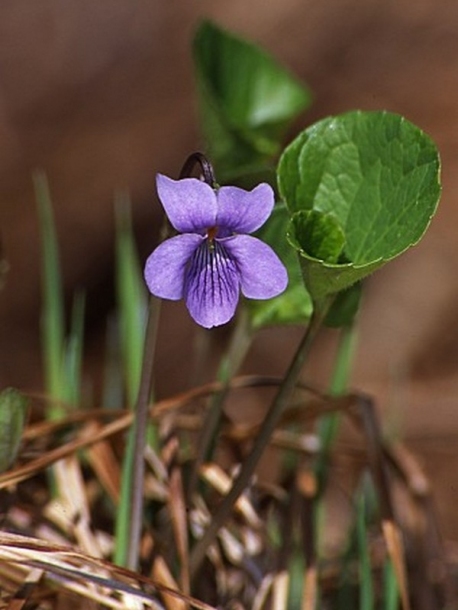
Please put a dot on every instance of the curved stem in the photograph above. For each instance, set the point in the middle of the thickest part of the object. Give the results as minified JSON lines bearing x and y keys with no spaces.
{"x":198,"y":158}
{"x":281,"y":399}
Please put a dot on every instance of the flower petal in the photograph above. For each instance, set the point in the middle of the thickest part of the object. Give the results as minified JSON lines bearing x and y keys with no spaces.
{"x":165,"y":267}
{"x":262,"y":274}
{"x":243,"y":211}
{"x":190,"y":204}
{"x":212,"y":285}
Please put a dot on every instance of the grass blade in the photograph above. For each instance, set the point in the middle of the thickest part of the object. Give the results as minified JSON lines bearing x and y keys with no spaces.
{"x":131,"y":296}
{"x":132,"y":305}
{"x":74,"y":352}
{"x":52,"y":319}
{"x":365,"y":570}
{"x":390,"y":587}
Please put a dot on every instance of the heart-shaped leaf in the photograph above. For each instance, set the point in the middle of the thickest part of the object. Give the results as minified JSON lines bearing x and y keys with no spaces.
{"x":247,"y":100}
{"x":361,"y":188}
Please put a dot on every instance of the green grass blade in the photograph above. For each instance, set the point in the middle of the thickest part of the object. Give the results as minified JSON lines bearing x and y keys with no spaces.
{"x":366,"y":600}
{"x":74,"y":351}
{"x":132,"y":306}
{"x":329,"y":424}
{"x":132,"y":300}
{"x":52,"y":319}
{"x":296,"y":570}
{"x":390,"y":587}
{"x":123,"y":513}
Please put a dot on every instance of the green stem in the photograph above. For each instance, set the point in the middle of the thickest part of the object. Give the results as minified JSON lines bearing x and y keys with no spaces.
{"x":139,"y":432}
{"x":230,"y":364}
{"x":280,"y":401}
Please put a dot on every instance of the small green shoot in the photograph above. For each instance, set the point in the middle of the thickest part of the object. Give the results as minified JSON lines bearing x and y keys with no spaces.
{"x":13,"y":415}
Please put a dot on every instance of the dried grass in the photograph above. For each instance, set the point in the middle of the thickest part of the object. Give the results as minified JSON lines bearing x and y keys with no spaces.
{"x":54,"y":550}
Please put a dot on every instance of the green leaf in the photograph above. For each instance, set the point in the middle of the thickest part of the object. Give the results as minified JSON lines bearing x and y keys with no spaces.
{"x":13,"y":414}
{"x":377,"y":175}
{"x":294,"y":306}
{"x":247,"y":100}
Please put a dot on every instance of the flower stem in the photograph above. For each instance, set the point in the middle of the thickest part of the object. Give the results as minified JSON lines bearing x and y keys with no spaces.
{"x":231,"y":362}
{"x":197,"y":158}
{"x":139,"y":432}
{"x":281,"y":399}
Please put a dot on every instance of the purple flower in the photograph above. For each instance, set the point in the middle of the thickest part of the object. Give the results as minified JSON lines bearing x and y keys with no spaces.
{"x":213,"y":258}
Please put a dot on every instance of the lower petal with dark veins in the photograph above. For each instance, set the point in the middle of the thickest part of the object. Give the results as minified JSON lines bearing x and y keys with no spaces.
{"x":212,"y":285}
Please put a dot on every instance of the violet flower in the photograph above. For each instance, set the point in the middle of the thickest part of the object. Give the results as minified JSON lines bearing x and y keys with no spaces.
{"x":214,"y":258}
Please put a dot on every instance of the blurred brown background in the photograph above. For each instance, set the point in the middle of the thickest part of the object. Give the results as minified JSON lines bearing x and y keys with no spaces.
{"x":100,"y":96}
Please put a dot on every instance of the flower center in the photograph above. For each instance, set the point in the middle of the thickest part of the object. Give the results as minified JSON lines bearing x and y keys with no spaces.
{"x":211,"y":233}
